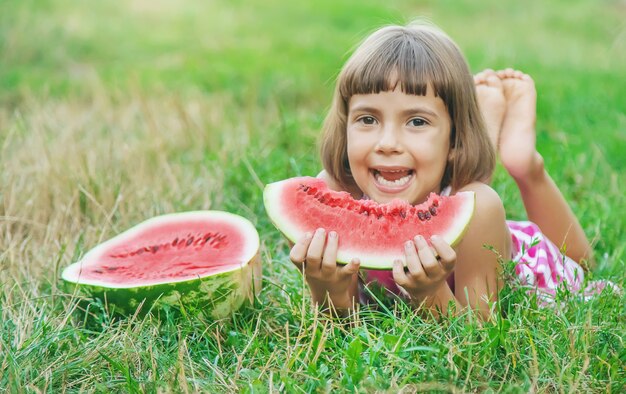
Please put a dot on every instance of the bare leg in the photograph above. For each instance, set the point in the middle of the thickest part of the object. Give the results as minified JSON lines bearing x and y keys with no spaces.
{"x":545,"y":205}
{"x":491,"y":102}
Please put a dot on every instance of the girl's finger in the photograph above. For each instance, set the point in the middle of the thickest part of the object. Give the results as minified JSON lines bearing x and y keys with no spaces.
{"x":300,"y":248}
{"x":399,"y":276}
{"x":329,"y":260}
{"x":413,"y":263}
{"x":447,"y":255}
{"x":316,"y":248}
{"x":433,"y":269}
{"x":351,"y":268}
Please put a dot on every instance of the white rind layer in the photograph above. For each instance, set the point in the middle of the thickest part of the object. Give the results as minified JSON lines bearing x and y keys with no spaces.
{"x":73,"y":272}
{"x":272,"y":193}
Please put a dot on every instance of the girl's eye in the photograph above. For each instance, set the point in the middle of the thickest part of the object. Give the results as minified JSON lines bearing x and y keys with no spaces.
{"x":417,"y":122}
{"x":368,"y":120}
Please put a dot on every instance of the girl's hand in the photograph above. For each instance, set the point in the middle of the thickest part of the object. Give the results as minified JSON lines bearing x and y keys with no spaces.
{"x":426,"y":268}
{"x":316,"y":257}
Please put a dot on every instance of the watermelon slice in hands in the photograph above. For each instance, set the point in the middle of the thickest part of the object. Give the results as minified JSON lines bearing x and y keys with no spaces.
{"x":374,"y":233}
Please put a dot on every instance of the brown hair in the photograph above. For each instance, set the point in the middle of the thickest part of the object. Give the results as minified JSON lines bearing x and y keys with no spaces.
{"x":416,"y":56}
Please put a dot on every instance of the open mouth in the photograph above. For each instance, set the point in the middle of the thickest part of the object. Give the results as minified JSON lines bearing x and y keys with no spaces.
{"x":392,"y":178}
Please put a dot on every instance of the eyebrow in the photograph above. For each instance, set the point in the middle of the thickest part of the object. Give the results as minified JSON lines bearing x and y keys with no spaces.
{"x":364,"y":108}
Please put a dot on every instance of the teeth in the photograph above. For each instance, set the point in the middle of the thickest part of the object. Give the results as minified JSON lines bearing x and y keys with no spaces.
{"x":397,"y":183}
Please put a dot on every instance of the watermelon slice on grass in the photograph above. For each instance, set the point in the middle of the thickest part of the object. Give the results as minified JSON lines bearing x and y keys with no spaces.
{"x":204,"y":261}
{"x":374,"y":233}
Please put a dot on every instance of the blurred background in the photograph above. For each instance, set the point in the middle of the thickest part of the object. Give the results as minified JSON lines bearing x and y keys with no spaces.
{"x":114,"y":111}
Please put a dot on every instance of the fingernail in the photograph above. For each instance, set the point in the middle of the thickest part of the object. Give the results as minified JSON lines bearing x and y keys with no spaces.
{"x":419,"y":238}
{"x":407,"y":244}
{"x":435,"y":238}
{"x":332,"y":234}
{"x":320,"y":231}
{"x":307,"y":235}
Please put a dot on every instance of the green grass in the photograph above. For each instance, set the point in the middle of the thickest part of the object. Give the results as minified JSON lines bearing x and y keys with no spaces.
{"x":113,"y":112}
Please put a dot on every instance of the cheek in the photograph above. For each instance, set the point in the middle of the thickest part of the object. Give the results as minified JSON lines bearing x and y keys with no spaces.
{"x":356,"y":148}
{"x":428,"y":152}
{"x":437,"y":148}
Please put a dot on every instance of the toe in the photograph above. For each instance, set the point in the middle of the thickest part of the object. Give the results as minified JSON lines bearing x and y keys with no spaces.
{"x":494,"y":81}
{"x":506,"y":73}
{"x":480,"y":78}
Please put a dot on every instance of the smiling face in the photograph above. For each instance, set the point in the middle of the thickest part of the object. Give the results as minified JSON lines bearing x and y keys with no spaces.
{"x":398,"y":144}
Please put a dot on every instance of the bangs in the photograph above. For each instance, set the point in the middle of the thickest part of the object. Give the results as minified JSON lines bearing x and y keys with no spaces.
{"x":393,"y":57}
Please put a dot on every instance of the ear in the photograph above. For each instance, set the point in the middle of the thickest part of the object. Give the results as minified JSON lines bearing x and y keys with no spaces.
{"x":451,"y":154}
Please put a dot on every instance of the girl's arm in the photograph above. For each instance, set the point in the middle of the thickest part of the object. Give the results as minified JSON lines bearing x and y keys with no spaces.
{"x":476,"y":274}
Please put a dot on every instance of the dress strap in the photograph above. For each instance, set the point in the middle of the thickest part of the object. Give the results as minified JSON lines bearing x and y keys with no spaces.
{"x":446,"y":191}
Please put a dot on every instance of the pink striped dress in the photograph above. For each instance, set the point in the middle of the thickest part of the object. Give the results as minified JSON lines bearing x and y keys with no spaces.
{"x":540,"y":266}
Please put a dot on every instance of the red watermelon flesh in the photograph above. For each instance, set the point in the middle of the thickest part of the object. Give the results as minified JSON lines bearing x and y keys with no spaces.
{"x":179,"y":256}
{"x":374,"y":233}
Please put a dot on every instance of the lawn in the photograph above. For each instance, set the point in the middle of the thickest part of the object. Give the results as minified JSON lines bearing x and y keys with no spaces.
{"x":113,"y":112}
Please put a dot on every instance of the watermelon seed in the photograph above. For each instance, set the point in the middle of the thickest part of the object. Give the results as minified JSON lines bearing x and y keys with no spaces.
{"x":435,"y":203}
{"x":98,"y":271}
{"x":433,"y":210}
{"x":421,"y":215}
{"x":190,"y":241}
{"x":403,"y":214}
{"x":175,"y":241}
{"x":427,"y":215}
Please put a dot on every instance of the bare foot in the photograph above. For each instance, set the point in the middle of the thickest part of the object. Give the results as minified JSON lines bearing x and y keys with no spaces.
{"x":517,"y":149}
{"x":491,"y":101}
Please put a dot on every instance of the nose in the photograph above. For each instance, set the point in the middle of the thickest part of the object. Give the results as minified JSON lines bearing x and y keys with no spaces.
{"x":388,"y":141}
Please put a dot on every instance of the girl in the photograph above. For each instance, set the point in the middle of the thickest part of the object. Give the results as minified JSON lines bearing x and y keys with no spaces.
{"x":405,"y":121}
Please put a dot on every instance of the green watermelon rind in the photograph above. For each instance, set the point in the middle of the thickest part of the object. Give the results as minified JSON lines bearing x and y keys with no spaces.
{"x":271,"y":198}
{"x":216,"y":295}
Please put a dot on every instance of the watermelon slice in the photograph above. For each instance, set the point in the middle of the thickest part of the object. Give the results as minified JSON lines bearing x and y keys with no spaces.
{"x":374,"y":233}
{"x":205,"y":259}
